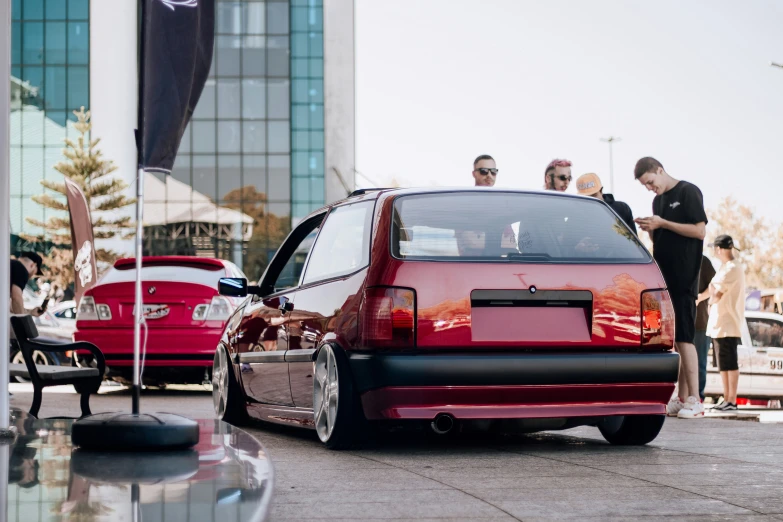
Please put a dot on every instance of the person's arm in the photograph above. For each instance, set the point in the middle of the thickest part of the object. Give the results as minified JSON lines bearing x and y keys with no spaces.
{"x":696,"y":231}
{"x":704,"y":295}
{"x":17,"y":303}
{"x":17,"y":300}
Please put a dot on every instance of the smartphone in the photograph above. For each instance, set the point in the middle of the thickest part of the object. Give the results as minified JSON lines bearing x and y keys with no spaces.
{"x":44,"y":304}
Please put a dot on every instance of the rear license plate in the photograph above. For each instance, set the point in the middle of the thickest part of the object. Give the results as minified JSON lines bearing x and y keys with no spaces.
{"x":154,"y":311}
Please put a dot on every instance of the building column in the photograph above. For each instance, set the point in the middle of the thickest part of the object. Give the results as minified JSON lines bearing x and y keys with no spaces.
{"x":114,"y":92}
{"x":339,"y":98}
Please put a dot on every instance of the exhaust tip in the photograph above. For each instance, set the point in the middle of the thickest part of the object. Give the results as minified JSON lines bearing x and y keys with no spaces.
{"x":442,"y":424}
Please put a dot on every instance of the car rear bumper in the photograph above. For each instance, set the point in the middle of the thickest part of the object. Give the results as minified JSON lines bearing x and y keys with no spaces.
{"x":170,"y":348}
{"x":498,"y":386}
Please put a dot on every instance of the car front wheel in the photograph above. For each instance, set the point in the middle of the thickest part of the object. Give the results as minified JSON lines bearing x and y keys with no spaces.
{"x":226,"y":395}
{"x":336,"y":410}
{"x":631,"y":430}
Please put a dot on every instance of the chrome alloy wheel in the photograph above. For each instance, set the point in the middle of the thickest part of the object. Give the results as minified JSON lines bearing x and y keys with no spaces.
{"x":39,"y":359}
{"x":325,"y":393}
{"x":220,"y":382}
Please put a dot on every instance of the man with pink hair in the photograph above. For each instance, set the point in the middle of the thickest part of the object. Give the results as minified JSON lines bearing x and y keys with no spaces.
{"x":557,"y":175}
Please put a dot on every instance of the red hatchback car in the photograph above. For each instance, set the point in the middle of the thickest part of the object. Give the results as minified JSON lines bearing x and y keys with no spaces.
{"x":538,"y":309}
{"x":183,"y":312}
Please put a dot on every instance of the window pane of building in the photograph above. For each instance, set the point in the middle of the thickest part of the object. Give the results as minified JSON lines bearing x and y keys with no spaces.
{"x":254,"y":99}
{"x":228,"y":93}
{"x":78,"y":43}
{"x":229,"y":136}
{"x":55,"y":42}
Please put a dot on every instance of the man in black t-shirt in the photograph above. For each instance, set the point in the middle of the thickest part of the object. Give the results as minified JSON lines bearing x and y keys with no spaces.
{"x":677,"y":227}
{"x":22,"y":269}
{"x":701,"y":340}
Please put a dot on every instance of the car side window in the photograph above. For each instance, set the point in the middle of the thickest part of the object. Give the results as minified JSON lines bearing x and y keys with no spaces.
{"x":765,"y":333}
{"x":285,"y":270}
{"x":343,"y":245}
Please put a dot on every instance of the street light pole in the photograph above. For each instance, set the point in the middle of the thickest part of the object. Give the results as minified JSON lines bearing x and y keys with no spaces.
{"x":610,"y":140}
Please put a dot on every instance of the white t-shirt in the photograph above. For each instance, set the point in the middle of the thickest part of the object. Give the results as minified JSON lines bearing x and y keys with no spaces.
{"x":726,"y":315}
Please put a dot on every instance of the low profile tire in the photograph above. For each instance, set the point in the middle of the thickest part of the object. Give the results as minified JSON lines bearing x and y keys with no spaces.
{"x":226,"y":395}
{"x":631,"y":430}
{"x":337,"y":413}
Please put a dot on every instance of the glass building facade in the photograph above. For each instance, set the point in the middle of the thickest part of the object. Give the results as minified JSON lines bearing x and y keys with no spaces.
{"x":50,"y":77}
{"x":255,"y":146}
{"x":251,"y":162}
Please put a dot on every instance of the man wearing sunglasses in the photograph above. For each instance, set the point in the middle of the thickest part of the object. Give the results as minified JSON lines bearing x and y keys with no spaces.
{"x":557,"y":175}
{"x":485,"y":171}
{"x":485,"y":174}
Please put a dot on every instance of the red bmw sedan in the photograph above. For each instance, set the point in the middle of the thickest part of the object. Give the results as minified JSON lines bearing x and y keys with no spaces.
{"x":421,"y":305}
{"x":184,"y":317}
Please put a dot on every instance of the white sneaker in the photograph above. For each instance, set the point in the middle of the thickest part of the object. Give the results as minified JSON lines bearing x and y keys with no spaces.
{"x":692,"y":409}
{"x":674,"y":406}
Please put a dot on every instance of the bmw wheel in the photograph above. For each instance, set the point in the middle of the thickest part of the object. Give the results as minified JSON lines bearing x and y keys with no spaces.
{"x":39,"y":358}
{"x":226,"y":395}
{"x":336,"y":411}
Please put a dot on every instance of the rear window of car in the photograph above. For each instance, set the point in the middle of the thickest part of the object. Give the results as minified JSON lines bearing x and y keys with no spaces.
{"x":188,"y":274}
{"x":511,"y":227}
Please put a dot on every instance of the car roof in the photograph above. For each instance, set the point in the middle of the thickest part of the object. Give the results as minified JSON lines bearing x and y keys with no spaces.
{"x":763,"y":315}
{"x":376,"y":193}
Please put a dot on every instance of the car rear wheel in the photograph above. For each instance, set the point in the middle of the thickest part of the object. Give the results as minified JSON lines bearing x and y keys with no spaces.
{"x":39,"y":358}
{"x":631,"y":430}
{"x":226,"y":395}
{"x":336,"y":410}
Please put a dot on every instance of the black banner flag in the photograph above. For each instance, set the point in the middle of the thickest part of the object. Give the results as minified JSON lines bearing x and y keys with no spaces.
{"x":176,"y":45}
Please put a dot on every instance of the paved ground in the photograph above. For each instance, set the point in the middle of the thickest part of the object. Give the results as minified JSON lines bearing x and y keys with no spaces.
{"x":707,"y":469}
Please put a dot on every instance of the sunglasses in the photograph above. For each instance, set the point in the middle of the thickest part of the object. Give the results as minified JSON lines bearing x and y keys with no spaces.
{"x":485,"y":172}
{"x":563,"y":177}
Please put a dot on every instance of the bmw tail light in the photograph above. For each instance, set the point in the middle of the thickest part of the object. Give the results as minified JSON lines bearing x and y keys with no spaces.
{"x":104,"y":312}
{"x":219,"y":309}
{"x":388,"y":318}
{"x":200,"y":312}
{"x":657,"y":319}
{"x":87,"y":309}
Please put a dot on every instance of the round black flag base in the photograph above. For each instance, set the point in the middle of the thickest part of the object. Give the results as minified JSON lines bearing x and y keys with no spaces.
{"x":135,"y":432}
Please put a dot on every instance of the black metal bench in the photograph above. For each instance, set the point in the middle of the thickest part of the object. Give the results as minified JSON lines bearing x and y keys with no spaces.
{"x":85,"y":381}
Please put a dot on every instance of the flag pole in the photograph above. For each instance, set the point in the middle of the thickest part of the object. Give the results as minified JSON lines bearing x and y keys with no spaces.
{"x":138,"y":310}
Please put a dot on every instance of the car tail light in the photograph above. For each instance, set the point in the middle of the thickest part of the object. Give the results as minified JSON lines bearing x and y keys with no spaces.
{"x":388,"y":318}
{"x":89,"y":311}
{"x":657,"y":319}
{"x":218,"y":310}
{"x":200,"y":312}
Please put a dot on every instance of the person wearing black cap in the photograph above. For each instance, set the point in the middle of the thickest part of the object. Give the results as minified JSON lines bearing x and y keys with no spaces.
{"x":26,"y":266}
{"x":727,"y":312}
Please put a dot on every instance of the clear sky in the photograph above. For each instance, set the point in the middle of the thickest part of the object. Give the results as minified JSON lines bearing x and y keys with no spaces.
{"x":442,"y":81}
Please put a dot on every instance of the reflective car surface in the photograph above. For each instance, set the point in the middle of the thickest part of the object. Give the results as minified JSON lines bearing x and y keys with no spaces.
{"x":184,"y":317}
{"x":445,"y":306}
{"x":760,"y":358}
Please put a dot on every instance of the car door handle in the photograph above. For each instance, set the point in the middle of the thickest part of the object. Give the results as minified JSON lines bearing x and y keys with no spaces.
{"x":285,"y":307}
{"x":761,"y":350}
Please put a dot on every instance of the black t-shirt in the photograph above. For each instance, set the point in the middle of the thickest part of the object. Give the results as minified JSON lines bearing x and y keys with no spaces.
{"x":19,"y":274}
{"x":706,"y":274}
{"x":622,"y":209}
{"x":678,"y":256}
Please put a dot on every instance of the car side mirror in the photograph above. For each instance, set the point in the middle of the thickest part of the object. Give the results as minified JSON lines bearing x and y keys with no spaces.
{"x":233,"y":286}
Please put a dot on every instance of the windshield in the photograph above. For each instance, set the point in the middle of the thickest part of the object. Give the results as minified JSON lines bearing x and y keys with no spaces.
{"x":512,"y":227}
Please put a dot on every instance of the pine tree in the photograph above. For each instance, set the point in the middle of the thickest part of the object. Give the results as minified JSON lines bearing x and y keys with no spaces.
{"x":86,"y":167}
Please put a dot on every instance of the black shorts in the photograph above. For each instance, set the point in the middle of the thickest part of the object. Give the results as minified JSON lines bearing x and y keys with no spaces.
{"x":684,"y":317}
{"x":726,"y":347}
